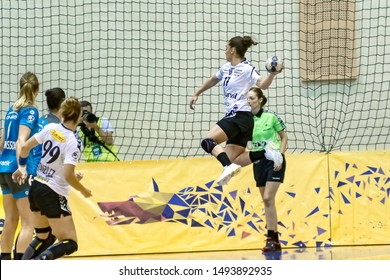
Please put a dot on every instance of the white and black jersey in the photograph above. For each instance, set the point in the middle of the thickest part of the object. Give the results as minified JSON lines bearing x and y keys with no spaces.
{"x":236,"y":81}
{"x":59,"y":147}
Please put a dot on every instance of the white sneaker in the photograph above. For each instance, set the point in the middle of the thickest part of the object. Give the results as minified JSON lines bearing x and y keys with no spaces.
{"x":272,"y":153}
{"x":228,"y":172}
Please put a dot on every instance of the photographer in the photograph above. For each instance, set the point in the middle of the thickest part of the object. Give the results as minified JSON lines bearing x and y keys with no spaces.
{"x":96,"y":134}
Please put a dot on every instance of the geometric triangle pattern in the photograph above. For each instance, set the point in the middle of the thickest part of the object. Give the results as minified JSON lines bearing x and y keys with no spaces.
{"x":211,"y":207}
{"x":202,"y":206}
{"x":370,"y":177}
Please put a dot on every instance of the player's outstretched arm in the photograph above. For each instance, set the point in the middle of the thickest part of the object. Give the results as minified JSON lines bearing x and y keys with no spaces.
{"x":209,"y":83}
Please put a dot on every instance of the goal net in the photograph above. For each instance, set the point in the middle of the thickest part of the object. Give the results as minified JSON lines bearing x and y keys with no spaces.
{"x":139,"y":62}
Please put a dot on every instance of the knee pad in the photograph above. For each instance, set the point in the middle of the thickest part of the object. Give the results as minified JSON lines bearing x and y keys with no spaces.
{"x":70,"y":246}
{"x":208,"y":144}
{"x":46,"y":243}
{"x":31,"y":250}
{"x":38,"y":245}
{"x":43,"y":230}
{"x":58,"y":250}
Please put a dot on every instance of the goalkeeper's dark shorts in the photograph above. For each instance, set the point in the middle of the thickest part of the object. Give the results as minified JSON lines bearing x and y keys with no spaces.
{"x":263,"y":172}
{"x":46,"y":201}
{"x":238,"y":128}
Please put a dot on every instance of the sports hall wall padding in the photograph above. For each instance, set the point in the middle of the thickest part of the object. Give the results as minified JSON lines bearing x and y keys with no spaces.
{"x":174,"y":205}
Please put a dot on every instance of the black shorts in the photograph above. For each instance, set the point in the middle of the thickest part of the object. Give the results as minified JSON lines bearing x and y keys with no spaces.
{"x":9,"y":187}
{"x":43,"y":199}
{"x":263,"y":172}
{"x":238,"y":128}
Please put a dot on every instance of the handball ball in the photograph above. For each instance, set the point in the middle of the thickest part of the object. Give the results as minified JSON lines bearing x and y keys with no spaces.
{"x":274,"y":65}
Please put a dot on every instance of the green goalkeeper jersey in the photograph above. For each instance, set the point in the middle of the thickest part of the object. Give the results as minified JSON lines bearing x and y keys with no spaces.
{"x":267,"y":124}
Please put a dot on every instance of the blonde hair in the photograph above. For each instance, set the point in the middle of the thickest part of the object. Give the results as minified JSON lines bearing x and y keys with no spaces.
{"x":29,"y":86}
{"x":71,"y":109}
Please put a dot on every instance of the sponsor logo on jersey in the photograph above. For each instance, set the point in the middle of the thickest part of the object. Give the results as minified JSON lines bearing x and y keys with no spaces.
{"x":41,"y":179}
{"x":238,"y":72}
{"x":30,"y":119}
{"x":76,"y":155}
{"x":9,"y":145}
{"x":231,"y":95}
{"x":259,"y":144}
{"x":5,"y":163}
{"x":12,"y":116}
{"x":57,"y":135}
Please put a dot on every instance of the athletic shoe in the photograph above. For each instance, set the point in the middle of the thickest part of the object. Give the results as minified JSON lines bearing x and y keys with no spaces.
{"x":228,"y":172}
{"x":271,"y":246}
{"x":272,"y":153}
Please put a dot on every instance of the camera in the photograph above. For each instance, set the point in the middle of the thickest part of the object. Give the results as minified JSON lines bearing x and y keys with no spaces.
{"x":88,"y":134}
{"x":89,"y":117}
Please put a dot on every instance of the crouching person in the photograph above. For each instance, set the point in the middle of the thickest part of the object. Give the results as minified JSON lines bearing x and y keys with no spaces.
{"x":50,"y":189}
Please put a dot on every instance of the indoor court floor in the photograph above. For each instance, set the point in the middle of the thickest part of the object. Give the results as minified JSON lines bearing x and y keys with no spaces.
{"x":378,"y":252}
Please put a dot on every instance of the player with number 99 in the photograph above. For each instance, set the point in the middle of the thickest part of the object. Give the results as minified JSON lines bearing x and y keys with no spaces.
{"x":50,"y":189}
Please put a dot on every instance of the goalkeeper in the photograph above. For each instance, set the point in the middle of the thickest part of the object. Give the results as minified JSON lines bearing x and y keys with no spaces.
{"x":268,"y":129}
{"x":237,"y":75}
